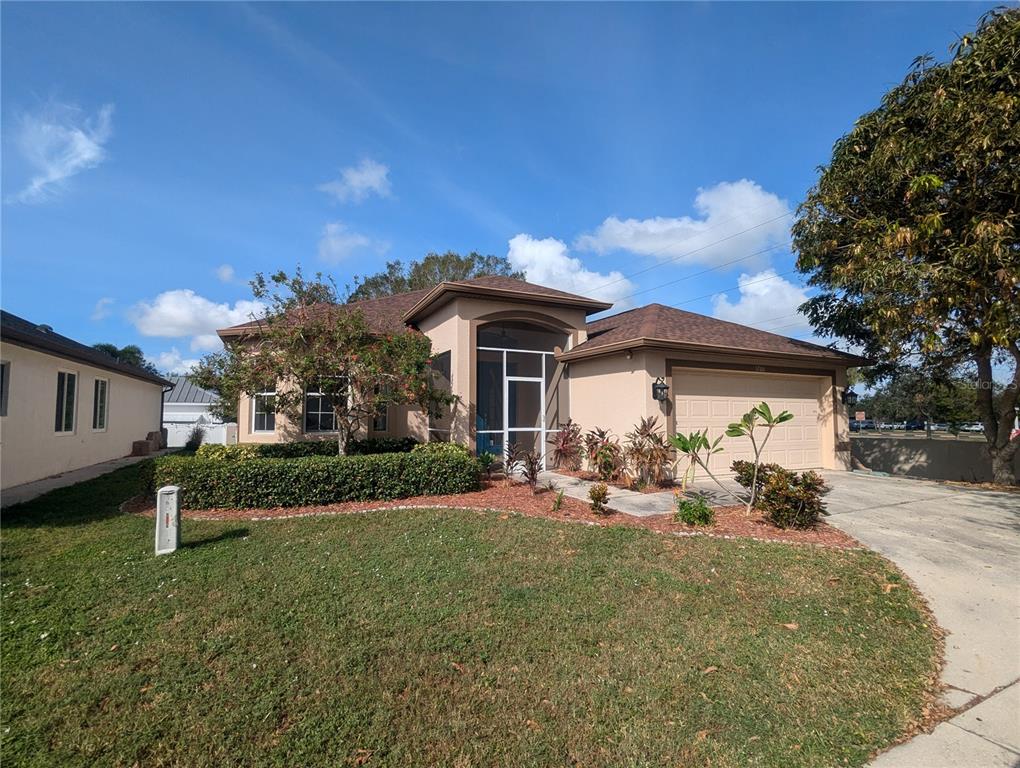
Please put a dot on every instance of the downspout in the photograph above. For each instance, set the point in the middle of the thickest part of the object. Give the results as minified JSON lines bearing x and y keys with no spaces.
{"x":162,"y":404}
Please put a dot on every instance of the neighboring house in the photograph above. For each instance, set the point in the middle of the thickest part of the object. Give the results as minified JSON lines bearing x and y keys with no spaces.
{"x":187,"y":406}
{"x":66,"y":405}
{"x":524,"y":358}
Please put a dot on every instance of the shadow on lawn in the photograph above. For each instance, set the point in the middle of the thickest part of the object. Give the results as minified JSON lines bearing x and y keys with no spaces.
{"x":233,"y":533}
{"x":86,"y":502}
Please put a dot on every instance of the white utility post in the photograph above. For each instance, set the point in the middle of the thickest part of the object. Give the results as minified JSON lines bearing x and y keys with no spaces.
{"x":168,"y":519}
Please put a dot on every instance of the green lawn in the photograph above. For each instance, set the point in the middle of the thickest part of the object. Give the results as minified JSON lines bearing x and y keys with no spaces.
{"x":441,"y":638}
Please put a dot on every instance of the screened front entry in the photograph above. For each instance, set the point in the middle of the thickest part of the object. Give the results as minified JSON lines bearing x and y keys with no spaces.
{"x":519,"y":397}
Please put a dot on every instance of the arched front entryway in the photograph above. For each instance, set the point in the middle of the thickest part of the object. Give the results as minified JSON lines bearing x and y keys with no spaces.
{"x":518,"y":392}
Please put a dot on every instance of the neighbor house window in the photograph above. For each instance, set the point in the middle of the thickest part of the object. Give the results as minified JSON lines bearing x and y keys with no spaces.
{"x":319,"y":416}
{"x":100,"y":398}
{"x":5,"y":385}
{"x":67,"y":385}
{"x":263,"y":408}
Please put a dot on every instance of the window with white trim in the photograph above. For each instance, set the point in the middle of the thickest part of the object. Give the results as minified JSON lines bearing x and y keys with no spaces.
{"x":5,"y":385}
{"x":263,"y":411}
{"x":319,"y":415}
{"x":100,"y":402}
{"x":67,"y":385}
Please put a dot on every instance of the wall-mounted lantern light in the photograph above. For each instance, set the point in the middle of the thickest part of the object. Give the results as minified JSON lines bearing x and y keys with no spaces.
{"x":660,"y":390}
{"x":849,"y":398}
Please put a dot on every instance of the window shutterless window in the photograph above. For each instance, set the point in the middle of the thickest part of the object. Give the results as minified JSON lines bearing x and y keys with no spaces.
{"x":263,"y":409}
{"x":5,"y":385}
{"x":380,"y":421}
{"x":67,"y":384}
{"x":100,"y":400}
{"x":319,"y":415}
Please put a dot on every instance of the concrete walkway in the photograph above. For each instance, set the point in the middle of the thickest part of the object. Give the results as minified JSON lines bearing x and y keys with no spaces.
{"x":961,"y":547}
{"x":28,"y":491}
{"x":627,"y":502}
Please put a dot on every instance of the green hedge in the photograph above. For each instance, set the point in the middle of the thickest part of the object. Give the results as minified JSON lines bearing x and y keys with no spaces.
{"x":300,"y":448}
{"x":259,"y":483}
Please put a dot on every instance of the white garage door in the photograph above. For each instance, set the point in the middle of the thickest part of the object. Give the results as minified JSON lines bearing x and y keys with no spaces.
{"x":714,"y":399}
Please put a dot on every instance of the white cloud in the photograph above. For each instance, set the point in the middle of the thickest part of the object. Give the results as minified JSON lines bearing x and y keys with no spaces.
{"x":338,"y":242}
{"x":548,"y":262}
{"x":768,"y":302}
{"x":225,"y":273}
{"x":59,"y":142}
{"x":181,"y":313}
{"x":357,"y":182}
{"x":102,"y":309}
{"x":712,"y":238}
{"x":206,"y":342}
{"x":173,"y":362}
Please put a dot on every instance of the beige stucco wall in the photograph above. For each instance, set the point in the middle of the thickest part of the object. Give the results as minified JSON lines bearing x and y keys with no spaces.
{"x":30,"y":449}
{"x":611,"y":392}
{"x":453,"y":328}
{"x":614,"y":392}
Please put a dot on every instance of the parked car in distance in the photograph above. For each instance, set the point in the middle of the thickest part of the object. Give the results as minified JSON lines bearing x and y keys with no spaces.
{"x":938,"y":427}
{"x":972,"y":427}
{"x":914,"y":425}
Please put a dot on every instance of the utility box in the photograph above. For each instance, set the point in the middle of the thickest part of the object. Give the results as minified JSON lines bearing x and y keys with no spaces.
{"x":168,"y":519}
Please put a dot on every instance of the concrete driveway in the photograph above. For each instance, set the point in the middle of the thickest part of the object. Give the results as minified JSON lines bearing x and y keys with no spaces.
{"x":961,"y":547}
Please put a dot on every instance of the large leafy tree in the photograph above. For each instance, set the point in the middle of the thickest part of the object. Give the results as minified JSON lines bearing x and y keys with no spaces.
{"x":131,"y":354}
{"x":432,"y":270}
{"x":308,"y":342}
{"x":911,"y":229}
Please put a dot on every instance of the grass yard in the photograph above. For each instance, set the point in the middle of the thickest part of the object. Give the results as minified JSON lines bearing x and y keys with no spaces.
{"x":442,"y":638}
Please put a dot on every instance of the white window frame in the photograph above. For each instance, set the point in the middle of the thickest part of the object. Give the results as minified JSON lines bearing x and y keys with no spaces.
{"x":5,"y":385}
{"x":254,"y":406}
{"x":62,"y":398}
{"x":304,"y":416}
{"x":106,"y":403}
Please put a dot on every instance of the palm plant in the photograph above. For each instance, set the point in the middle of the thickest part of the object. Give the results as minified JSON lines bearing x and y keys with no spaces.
{"x":745,"y":428}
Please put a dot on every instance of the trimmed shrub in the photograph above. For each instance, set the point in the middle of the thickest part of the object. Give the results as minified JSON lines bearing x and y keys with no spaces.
{"x":598,"y":495}
{"x":261,"y":483}
{"x":300,"y":448}
{"x":372,"y":445}
{"x":693,"y":511}
{"x":785,"y":499}
{"x":443,"y":449}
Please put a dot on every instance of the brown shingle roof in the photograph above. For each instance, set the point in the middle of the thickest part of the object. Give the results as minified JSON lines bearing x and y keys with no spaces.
{"x":659,"y":325}
{"x":389,"y":314}
{"x":25,"y":333}
{"x":499,"y":286}
{"x":383,"y":315}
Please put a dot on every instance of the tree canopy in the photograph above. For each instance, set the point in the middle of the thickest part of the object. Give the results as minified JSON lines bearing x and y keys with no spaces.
{"x":911,"y":229}
{"x":432,"y":270}
{"x":308,"y":344}
{"x":131,"y":354}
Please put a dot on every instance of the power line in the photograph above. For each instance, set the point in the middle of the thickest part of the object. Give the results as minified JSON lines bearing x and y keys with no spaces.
{"x":735,"y":287}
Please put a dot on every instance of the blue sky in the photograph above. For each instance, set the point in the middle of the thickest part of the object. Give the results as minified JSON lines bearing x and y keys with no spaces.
{"x":156,"y":156}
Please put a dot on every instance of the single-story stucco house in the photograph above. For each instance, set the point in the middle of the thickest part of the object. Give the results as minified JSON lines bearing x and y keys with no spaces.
{"x":524,"y":358}
{"x":66,"y":405}
{"x":187,"y":406}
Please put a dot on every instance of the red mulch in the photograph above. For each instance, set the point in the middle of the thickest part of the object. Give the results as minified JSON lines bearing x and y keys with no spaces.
{"x":730,"y":522}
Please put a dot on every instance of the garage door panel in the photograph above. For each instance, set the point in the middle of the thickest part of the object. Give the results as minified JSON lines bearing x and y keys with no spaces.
{"x":714,"y":399}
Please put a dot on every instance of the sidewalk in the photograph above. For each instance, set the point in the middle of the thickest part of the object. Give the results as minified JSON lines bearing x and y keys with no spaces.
{"x":627,"y":502}
{"x":28,"y":491}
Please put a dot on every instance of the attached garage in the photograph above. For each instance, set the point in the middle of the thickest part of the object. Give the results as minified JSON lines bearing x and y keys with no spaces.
{"x":713,"y":399}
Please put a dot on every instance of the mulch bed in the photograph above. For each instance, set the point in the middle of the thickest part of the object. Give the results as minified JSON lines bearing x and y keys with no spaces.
{"x":730,"y":522}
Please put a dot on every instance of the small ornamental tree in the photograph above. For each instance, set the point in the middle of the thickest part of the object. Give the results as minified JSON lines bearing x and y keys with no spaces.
{"x":911,"y":233}
{"x":308,"y":342}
